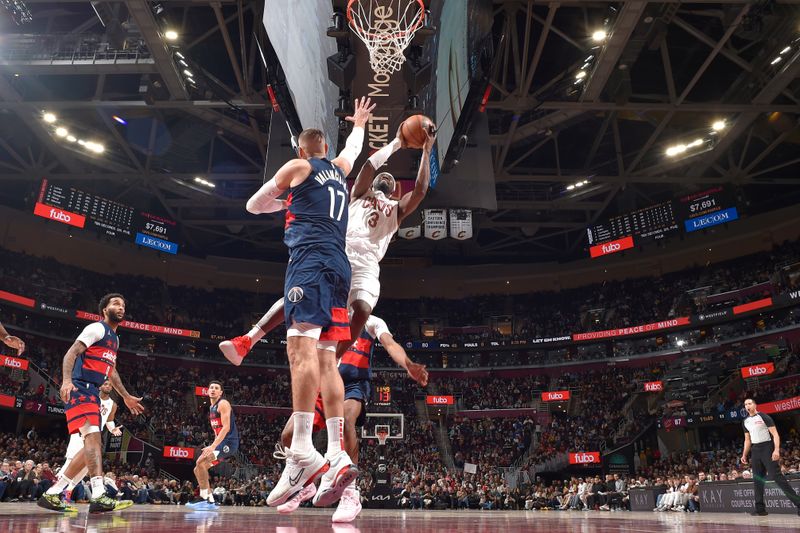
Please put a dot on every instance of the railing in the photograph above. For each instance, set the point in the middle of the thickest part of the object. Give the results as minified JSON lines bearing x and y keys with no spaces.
{"x":69,"y":47}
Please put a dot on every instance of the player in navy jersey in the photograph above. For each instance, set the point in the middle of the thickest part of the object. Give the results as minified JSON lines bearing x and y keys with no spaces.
{"x":89,"y":362}
{"x":225,"y":445}
{"x":355,"y":367}
{"x":315,"y":291}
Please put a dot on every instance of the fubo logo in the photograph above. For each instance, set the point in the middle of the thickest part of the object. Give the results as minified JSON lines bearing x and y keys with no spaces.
{"x":555,"y":396}
{"x":584,"y":458}
{"x":177,"y":452}
{"x":611,"y":247}
{"x":13,"y":363}
{"x":59,"y":215}
{"x":755,"y":371}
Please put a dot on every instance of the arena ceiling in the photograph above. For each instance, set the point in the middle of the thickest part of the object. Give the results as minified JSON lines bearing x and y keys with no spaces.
{"x":666,"y":73}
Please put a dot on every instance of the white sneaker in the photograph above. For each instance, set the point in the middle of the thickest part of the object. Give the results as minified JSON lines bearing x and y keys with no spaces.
{"x":341,"y":473}
{"x":349,"y":506}
{"x":294,"y":502}
{"x":301,"y":469}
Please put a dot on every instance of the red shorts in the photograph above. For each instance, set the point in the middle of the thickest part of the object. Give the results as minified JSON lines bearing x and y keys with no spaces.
{"x":83,"y":406}
{"x":319,"y":415}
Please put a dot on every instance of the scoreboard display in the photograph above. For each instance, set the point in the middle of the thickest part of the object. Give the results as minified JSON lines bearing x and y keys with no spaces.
{"x":655,"y":221}
{"x":707,"y":208}
{"x":694,"y":212}
{"x":383,"y":395}
{"x":82,"y":209}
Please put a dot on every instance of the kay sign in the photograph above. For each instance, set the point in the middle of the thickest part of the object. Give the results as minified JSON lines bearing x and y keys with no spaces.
{"x":555,"y":396}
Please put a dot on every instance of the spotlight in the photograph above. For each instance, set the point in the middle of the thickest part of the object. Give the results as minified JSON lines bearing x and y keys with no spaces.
{"x":198,"y":179}
{"x":680,"y":342}
{"x":49,"y":118}
{"x":182,"y":62}
{"x":171,"y":35}
{"x":62,"y":132}
{"x":120,"y":120}
{"x":675,"y":150}
{"x":776,"y":60}
{"x":786,"y":50}
{"x":180,"y":55}
{"x":188,"y":72}
{"x":71,"y":138}
{"x":696,"y":142}
{"x":580,"y":75}
{"x":718,"y":125}
{"x":599,"y":36}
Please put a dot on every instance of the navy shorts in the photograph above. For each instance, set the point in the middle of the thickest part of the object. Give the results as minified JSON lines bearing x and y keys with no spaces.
{"x":315,"y":291}
{"x":359,"y":390}
{"x":225,"y":450}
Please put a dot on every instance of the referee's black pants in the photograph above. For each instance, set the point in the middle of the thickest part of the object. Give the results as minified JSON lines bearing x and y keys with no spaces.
{"x":761,"y":459}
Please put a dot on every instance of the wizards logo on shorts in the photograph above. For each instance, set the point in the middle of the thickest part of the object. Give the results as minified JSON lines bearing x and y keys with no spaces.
{"x":295,"y":294}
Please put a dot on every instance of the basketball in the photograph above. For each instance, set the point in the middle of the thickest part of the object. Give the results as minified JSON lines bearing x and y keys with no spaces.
{"x":413,"y":130}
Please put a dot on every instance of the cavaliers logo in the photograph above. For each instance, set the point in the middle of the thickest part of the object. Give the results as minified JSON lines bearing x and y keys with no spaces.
{"x":295,"y":294}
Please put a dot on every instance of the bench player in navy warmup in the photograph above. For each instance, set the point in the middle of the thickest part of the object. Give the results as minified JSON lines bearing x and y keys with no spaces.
{"x":316,"y":285}
{"x":89,"y":362}
{"x":225,"y":445}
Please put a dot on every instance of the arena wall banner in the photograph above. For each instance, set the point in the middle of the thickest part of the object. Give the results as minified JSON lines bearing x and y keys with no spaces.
{"x":16,"y":299}
{"x":752,"y":306}
{"x":8,"y":401}
{"x":756,"y":371}
{"x":461,"y":224}
{"x":738,"y":497}
{"x":632,"y":330}
{"x":556,"y":396}
{"x":53,"y":309}
{"x":780,"y":406}
{"x":644,"y":498}
{"x":201,"y":391}
{"x":439,"y":400}
{"x":151,"y":328}
{"x":435,"y":224}
{"x":14,"y":362}
{"x":654,"y":386}
{"x":584,"y":458}
{"x":178,"y":452}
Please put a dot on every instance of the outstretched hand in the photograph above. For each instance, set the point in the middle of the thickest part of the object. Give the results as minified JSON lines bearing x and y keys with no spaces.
{"x":134,"y":404}
{"x":418,"y":373}
{"x":360,"y":116}
{"x":16,"y":343}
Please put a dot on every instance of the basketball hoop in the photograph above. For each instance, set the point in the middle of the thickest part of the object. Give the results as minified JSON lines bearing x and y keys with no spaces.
{"x":382,"y":432}
{"x":386,"y":28}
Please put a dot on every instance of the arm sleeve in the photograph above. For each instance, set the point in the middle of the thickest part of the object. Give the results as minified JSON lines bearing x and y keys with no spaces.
{"x":376,"y":327}
{"x":92,"y":333}
{"x":767,"y":420}
{"x":353,"y":145}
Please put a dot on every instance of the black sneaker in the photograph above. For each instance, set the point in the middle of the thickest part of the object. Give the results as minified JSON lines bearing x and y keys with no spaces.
{"x":759,"y":513}
{"x":53,"y":502}
{"x":104,"y":504}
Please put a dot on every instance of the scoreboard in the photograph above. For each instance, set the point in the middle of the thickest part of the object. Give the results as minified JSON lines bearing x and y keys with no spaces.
{"x":383,"y":395}
{"x":655,"y":221}
{"x":82,"y":209}
{"x":694,"y":212}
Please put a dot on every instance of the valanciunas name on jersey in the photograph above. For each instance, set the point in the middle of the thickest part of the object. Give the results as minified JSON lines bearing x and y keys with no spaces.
{"x":330,"y":175}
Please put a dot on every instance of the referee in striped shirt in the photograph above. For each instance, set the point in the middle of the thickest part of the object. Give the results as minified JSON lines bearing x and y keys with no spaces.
{"x":761,"y":437}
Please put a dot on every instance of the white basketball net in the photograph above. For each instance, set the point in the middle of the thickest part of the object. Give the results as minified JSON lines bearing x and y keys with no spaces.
{"x":386,"y":27}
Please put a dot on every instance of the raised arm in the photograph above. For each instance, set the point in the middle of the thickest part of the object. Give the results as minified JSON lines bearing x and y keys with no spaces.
{"x":411,"y":200}
{"x":355,"y":141}
{"x":416,"y":371}
{"x":370,"y":167}
{"x":265,"y":200}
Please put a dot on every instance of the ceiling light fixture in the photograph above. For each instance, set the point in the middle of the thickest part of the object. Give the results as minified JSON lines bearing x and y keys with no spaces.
{"x":49,"y":117}
{"x":171,"y":35}
{"x":718,"y":125}
{"x":62,"y":132}
{"x":599,"y":36}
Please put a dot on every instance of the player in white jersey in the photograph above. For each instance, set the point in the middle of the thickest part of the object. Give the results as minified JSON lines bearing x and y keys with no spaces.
{"x":374,"y":217}
{"x":108,"y":410}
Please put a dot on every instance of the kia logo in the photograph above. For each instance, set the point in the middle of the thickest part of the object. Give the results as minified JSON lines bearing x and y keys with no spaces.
{"x":55,"y":214}
{"x":13,"y":363}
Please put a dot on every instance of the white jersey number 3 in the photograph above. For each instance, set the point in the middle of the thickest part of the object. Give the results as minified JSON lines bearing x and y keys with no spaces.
{"x":334,"y":194}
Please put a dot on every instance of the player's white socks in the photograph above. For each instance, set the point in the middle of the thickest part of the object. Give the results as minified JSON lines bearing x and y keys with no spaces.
{"x":303,"y":428}
{"x":335,"y":435}
{"x":78,"y":478}
{"x":98,"y":488}
{"x":207,"y":495}
{"x":257,"y":332}
{"x":59,"y":486}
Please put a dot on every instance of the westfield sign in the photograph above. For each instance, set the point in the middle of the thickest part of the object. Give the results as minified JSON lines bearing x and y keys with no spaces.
{"x":584,"y":458}
{"x":756,"y":371}
{"x":177,"y":452}
{"x":555,"y":396}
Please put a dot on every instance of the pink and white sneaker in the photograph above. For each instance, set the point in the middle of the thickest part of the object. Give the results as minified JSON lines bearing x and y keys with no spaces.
{"x":236,"y":349}
{"x":342,"y":472}
{"x":293,"y":503}
{"x":349,"y":506}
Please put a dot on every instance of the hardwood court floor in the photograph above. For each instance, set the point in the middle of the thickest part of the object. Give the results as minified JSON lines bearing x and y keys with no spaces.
{"x":27,"y":518}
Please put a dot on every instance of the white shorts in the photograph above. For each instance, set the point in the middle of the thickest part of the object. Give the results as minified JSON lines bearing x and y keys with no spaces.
{"x":75,"y":445}
{"x":365,"y":285}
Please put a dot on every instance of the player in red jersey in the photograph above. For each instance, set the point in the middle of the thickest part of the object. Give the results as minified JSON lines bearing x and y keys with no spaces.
{"x":89,"y":362}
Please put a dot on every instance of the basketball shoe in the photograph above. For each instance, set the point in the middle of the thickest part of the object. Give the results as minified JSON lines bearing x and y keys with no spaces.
{"x":294,"y":502}
{"x":301,"y":469}
{"x":236,"y":349}
{"x":349,"y":506}
{"x":341,"y":473}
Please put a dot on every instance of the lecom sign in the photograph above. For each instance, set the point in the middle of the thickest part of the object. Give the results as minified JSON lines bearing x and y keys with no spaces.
{"x":555,"y":396}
